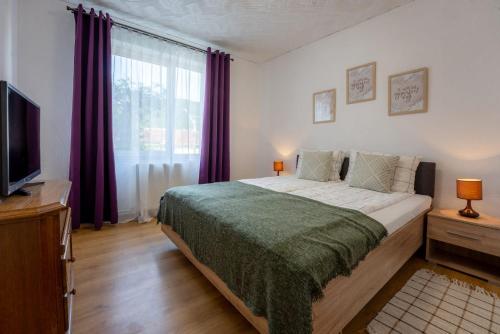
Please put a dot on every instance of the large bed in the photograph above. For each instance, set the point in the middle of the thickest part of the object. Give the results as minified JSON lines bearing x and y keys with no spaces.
{"x":401,"y":214}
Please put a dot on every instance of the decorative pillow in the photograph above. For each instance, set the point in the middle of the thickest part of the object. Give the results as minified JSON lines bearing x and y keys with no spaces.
{"x":314,"y":165}
{"x":299,"y":162}
{"x":337,"y":160}
{"x":374,"y":172}
{"x":352,"y":160}
{"x":404,"y":178}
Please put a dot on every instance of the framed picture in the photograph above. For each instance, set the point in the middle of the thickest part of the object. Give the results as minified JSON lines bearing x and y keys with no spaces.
{"x":324,"y":104}
{"x":361,"y":83}
{"x":408,"y":92}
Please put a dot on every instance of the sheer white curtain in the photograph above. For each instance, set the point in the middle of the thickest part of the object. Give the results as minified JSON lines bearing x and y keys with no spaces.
{"x":158,"y":90}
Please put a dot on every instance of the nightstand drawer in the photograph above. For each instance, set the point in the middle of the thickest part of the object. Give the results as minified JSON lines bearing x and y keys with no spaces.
{"x":482,"y":239}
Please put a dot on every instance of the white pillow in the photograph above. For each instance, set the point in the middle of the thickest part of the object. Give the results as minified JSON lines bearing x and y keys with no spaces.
{"x":404,"y":178}
{"x":336,"y":165}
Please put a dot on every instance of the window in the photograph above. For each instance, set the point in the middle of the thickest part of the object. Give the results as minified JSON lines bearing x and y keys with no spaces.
{"x":157,"y":98}
{"x":158,"y":91}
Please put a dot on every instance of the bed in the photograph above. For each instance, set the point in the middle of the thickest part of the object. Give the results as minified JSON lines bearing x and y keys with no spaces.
{"x":402,"y":215}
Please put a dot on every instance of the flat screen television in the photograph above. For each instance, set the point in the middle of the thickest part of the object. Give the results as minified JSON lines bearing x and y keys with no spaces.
{"x":19,"y":139}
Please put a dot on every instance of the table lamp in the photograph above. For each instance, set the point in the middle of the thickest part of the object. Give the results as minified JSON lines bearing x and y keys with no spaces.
{"x":278,"y":166}
{"x":469,"y":189}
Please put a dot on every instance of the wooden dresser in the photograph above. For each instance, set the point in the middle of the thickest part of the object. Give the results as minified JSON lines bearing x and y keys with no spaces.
{"x":36,"y":283}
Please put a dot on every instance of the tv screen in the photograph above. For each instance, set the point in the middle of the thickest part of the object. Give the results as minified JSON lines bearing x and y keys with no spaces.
{"x":20,"y":139}
{"x":24,"y":137}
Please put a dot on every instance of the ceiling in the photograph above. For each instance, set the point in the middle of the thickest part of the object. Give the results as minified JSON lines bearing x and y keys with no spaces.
{"x":256,"y":30}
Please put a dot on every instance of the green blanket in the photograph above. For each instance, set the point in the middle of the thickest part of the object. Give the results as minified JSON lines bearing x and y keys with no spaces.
{"x":275,"y":251}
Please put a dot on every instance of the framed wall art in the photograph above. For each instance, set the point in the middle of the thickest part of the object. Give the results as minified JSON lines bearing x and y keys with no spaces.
{"x":408,"y":92}
{"x":361,"y":83}
{"x":324,"y":105}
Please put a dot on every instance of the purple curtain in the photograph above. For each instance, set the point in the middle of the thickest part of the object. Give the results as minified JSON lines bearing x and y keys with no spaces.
{"x":214,"y":159}
{"x":92,"y":167}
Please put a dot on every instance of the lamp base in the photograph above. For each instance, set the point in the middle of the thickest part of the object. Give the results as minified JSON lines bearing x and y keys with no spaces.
{"x":468,"y":211}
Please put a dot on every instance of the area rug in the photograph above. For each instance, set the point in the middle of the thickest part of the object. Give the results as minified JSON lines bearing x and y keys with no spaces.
{"x":432,"y":303}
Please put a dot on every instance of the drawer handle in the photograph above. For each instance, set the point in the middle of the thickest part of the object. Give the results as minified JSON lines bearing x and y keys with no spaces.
{"x":69,"y":293}
{"x":468,"y":237}
{"x":72,"y":259}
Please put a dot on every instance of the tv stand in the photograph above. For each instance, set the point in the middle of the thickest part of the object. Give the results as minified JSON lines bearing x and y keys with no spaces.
{"x":25,"y":192}
{"x":36,"y":280}
{"x":22,"y":192}
{"x":32,"y":184}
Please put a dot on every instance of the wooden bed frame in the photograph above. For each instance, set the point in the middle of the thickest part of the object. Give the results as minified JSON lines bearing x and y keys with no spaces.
{"x":343,"y":297}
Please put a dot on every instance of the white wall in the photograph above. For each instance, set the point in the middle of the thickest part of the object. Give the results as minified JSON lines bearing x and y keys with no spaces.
{"x":459,"y":40}
{"x":45,"y":74}
{"x":245,"y":118}
{"x":8,"y":40}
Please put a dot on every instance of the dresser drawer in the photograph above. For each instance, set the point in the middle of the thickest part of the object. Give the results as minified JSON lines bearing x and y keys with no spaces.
{"x":66,"y":234}
{"x":68,"y":310}
{"x":478,"y":238}
{"x":64,"y":222}
{"x":67,"y":268}
{"x":69,"y":291}
{"x":67,"y":248}
{"x":68,"y":282}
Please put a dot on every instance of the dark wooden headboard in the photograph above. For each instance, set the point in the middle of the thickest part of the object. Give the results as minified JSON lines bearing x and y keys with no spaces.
{"x":425,"y":178}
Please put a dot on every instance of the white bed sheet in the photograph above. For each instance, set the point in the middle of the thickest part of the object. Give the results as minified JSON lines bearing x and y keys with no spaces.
{"x":341,"y":194}
{"x":393,"y":210}
{"x":397,"y":215}
{"x":285,"y":184}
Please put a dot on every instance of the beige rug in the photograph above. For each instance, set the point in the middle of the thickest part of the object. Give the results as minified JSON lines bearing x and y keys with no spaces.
{"x":431,"y":303}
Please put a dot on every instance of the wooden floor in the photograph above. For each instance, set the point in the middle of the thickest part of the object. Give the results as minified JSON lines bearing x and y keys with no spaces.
{"x":131,"y":279}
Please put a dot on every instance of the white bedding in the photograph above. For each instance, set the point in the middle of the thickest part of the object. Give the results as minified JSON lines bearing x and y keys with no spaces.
{"x":397,"y":215}
{"x":341,"y":194}
{"x":392,"y":210}
{"x":285,"y":184}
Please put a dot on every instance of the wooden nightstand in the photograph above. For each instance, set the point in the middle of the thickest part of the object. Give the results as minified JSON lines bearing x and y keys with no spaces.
{"x":465,"y":244}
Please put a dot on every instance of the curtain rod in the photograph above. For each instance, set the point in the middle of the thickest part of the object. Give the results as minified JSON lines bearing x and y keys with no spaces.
{"x":149,"y":34}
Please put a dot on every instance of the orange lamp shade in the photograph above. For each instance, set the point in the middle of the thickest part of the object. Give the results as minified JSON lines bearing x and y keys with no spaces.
{"x":278,"y":165}
{"x":470,"y":189}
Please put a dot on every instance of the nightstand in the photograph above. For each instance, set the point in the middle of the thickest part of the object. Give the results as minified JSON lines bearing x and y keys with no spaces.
{"x":470,"y":245}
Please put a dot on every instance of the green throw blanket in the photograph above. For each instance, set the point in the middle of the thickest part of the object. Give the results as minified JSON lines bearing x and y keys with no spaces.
{"x":275,"y":251}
